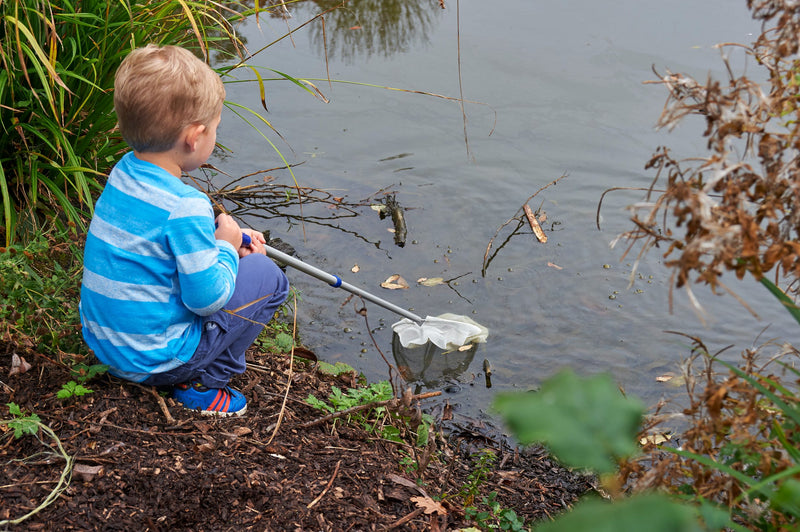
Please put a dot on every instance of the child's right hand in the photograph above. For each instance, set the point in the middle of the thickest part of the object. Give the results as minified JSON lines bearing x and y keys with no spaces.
{"x":228,"y":230}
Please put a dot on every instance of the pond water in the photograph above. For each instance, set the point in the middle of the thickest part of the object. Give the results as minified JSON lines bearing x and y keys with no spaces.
{"x":559,"y":91}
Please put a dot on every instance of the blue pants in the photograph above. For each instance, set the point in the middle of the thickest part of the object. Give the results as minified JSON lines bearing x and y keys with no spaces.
{"x":226,"y":336}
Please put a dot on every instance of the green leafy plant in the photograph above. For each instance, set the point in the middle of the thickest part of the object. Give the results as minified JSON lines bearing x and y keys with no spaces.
{"x":569,"y":413}
{"x":72,"y":389}
{"x":602,"y":434}
{"x":39,"y":293}
{"x":82,"y":372}
{"x":339,"y":400}
{"x":22,"y":423}
{"x":494,"y":517}
{"x":56,"y":110}
{"x":275,"y":341}
{"x":483,"y":462}
{"x":339,"y":368}
{"x":486,"y":514}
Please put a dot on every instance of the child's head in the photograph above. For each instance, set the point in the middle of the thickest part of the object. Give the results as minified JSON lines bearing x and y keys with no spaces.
{"x":159,"y":91}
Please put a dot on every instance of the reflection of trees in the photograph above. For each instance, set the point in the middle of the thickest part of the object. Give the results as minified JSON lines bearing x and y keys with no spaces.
{"x":372,"y":26}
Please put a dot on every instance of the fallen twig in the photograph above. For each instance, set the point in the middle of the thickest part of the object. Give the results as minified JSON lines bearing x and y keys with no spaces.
{"x":277,"y":424}
{"x":330,"y":483}
{"x":163,"y":405}
{"x":405,"y":519}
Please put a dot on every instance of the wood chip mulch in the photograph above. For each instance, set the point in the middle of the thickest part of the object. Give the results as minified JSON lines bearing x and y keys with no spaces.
{"x":142,"y":462}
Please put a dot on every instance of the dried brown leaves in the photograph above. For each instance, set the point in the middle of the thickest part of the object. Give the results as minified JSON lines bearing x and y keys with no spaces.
{"x":737,"y":209}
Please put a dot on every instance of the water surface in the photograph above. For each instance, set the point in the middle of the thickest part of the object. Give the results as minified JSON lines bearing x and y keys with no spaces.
{"x":560,"y":91}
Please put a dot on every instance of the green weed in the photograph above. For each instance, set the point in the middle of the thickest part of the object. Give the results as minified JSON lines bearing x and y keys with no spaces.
{"x":57,"y":68}
{"x":39,"y":293}
{"x":494,"y":517}
{"x":339,"y":401}
{"x":82,"y":372}
{"x":72,"y":389}
{"x":22,"y":423}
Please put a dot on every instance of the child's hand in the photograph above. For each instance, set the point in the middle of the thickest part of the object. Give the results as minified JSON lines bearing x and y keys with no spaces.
{"x":228,"y":230}
{"x":257,"y":242}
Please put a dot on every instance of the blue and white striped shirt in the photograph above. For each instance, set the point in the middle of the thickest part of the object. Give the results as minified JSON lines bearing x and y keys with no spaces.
{"x":152,"y":269}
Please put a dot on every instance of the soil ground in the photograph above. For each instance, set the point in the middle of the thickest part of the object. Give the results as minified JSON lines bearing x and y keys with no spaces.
{"x":142,"y":462}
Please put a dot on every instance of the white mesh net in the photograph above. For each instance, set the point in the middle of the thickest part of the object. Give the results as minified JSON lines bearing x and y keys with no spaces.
{"x":447,"y":331}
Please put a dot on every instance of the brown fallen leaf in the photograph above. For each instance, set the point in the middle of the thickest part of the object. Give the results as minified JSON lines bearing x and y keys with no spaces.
{"x":447,"y":412}
{"x":430,"y":281}
{"x":395,"y":282}
{"x":402,"y":481}
{"x":86,"y":472}
{"x":429,"y":505}
{"x":655,"y":439}
{"x":18,"y":365}
{"x":242,"y":431}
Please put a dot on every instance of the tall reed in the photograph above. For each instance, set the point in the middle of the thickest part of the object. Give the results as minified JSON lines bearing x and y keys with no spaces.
{"x":57,"y":65}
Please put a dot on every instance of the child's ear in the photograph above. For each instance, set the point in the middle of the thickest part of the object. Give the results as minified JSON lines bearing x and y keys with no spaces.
{"x":192,"y":134}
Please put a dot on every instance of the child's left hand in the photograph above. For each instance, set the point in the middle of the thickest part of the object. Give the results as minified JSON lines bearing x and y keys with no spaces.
{"x":257,"y":242}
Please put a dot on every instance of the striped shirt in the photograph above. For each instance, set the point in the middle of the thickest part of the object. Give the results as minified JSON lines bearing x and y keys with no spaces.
{"x":152,"y":269}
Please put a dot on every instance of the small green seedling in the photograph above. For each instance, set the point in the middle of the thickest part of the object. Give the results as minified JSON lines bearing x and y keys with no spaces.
{"x":22,"y":423}
{"x":83,"y":372}
{"x":72,"y":389}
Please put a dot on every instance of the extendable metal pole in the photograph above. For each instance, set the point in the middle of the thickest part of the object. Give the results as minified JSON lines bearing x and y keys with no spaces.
{"x":337,"y":282}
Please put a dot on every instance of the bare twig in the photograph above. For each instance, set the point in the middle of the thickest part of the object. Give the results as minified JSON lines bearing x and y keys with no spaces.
{"x":277,"y":424}
{"x":330,"y":483}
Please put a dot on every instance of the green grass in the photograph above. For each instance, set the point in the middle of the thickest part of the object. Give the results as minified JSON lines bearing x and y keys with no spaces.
{"x":57,"y":66}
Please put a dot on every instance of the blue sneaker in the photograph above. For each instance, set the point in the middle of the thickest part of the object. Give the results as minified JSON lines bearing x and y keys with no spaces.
{"x":210,"y":401}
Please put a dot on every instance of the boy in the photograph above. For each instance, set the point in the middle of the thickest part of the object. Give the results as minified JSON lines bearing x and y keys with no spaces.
{"x":158,"y":277}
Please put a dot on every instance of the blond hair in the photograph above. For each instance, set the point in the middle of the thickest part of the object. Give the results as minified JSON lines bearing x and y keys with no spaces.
{"x":160,"y":90}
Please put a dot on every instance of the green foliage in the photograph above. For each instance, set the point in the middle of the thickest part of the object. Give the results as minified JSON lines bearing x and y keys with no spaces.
{"x":335,"y":370}
{"x":482,"y":466}
{"x":585,"y":422}
{"x":72,"y":389}
{"x":56,"y":110}
{"x":488,"y":514}
{"x":342,"y":400}
{"x":494,"y":517}
{"x":39,"y":293}
{"x":781,"y":296}
{"x":275,"y":341}
{"x":22,"y":423}
{"x":82,"y":372}
{"x":397,"y":424}
{"x":653,"y":513}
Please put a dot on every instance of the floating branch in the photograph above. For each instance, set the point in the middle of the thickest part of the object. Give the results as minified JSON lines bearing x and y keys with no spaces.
{"x":518,"y":217}
{"x":396,"y":213}
{"x":534,"y":223}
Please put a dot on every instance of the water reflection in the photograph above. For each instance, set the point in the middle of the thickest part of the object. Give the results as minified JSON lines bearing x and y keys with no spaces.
{"x":363,"y":28}
{"x":430,"y":365}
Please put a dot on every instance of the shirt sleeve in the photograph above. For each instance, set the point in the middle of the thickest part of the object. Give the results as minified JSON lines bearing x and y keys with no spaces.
{"x":206,"y":267}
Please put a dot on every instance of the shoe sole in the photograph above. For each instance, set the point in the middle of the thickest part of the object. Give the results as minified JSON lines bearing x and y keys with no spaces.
{"x":214,"y":413}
